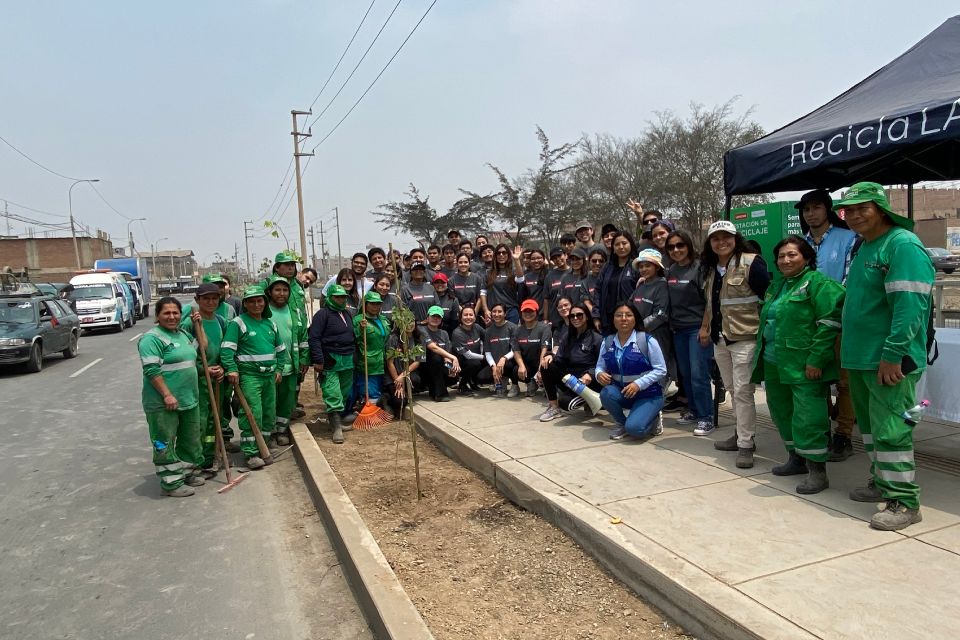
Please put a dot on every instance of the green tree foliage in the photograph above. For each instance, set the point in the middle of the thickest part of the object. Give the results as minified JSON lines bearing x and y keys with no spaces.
{"x":418,"y":218}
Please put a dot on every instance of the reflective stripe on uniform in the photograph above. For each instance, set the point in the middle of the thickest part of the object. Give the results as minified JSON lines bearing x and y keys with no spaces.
{"x":829,"y":323}
{"x":240,"y":323}
{"x":908,"y":286}
{"x":260,"y":357}
{"x":867,"y":439}
{"x":209,"y":438}
{"x":280,"y":348}
{"x":248,"y":439}
{"x":628,"y":379}
{"x":896,"y":476}
{"x":282,"y":420}
{"x":895,"y":456}
{"x":725,"y":301}
{"x":789,"y":443}
{"x":151,"y":360}
{"x":170,"y":479}
{"x":228,"y":345}
{"x":304,"y":345}
{"x":177,"y":366}
{"x":173,"y":466}
{"x":812,"y":452}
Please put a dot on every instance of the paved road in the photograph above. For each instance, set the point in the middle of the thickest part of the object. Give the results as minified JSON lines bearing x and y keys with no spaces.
{"x":90,"y":549}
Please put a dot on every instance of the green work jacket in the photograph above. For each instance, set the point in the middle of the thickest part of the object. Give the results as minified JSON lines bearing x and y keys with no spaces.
{"x":807,"y":325}
{"x":378,"y":330}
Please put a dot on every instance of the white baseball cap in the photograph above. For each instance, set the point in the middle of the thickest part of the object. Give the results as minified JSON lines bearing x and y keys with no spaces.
{"x":722,"y":225}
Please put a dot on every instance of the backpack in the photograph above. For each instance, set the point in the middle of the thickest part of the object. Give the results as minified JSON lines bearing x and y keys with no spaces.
{"x":933,"y":350}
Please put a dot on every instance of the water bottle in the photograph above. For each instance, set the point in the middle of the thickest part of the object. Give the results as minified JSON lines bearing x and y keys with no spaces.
{"x":912,"y":416}
{"x":498,"y":387}
{"x":574,"y":384}
{"x":449,"y":366}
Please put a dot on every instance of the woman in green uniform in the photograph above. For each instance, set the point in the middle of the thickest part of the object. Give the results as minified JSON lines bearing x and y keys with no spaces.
{"x":169,"y":397}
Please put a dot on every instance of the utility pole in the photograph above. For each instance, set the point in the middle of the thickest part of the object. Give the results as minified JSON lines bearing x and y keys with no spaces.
{"x":296,"y":157}
{"x":6,"y":214}
{"x":323,"y":251}
{"x":246,"y":240}
{"x":313,"y":250}
{"x":339,"y":250}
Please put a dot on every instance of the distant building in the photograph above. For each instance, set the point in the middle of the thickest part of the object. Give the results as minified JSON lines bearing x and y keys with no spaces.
{"x":170,"y":265}
{"x":53,"y":259}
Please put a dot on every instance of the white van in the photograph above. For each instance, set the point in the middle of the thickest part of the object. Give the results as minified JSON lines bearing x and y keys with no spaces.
{"x":102,"y":300}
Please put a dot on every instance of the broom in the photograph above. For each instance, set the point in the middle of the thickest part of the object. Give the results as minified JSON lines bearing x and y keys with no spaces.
{"x":371,"y":416}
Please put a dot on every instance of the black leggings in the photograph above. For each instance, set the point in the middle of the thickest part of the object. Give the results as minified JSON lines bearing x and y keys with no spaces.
{"x":553,"y":381}
{"x":531,"y":362}
{"x":435,"y":375}
{"x":395,"y":403}
{"x":471,"y":372}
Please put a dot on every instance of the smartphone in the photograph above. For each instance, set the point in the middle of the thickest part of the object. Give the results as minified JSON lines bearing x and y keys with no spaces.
{"x":907,"y":365}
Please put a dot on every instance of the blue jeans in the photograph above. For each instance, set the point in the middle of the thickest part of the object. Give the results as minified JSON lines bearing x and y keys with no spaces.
{"x":643,"y":411}
{"x":513,"y":315}
{"x":357,"y":392}
{"x":694,"y":362}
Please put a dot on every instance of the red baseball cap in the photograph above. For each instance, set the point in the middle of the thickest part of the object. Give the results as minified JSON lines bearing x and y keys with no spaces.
{"x":440,"y":276}
{"x":530,"y":304}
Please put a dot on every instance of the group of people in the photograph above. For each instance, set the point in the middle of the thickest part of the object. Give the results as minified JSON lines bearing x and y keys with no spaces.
{"x":623,"y":315}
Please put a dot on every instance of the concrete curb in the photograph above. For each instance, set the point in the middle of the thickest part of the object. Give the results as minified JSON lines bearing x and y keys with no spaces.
{"x":705,"y":606}
{"x":389,"y":611}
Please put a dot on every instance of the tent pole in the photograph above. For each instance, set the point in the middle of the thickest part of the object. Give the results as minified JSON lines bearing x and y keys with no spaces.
{"x":910,"y":201}
{"x":726,"y":208}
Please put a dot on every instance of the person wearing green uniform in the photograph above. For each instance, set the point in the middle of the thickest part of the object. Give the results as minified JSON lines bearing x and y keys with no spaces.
{"x":884,"y":347}
{"x":169,"y":398}
{"x":228,"y":406}
{"x":332,"y":347}
{"x":224,"y":309}
{"x":293,"y":333}
{"x":799,"y":323}
{"x":208,"y":299}
{"x":253,"y":354}
{"x":377,"y":328}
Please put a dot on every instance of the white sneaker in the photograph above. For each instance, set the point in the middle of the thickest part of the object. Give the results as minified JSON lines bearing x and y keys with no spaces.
{"x":704,"y":428}
{"x":687,"y":418}
{"x":658,"y":427}
{"x":552,"y":413}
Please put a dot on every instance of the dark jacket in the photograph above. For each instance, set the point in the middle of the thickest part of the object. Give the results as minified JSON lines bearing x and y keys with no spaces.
{"x":614,"y":286}
{"x":579,"y":356}
{"x":331,"y":332}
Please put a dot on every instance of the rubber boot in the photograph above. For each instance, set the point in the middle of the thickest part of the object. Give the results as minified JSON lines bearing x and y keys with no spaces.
{"x":334,"y":420}
{"x":794,"y":466}
{"x":816,"y":480}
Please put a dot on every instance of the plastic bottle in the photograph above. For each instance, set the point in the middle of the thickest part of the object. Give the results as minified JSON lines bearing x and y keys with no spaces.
{"x":912,"y":416}
{"x":574,"y":384}
{"x":498,"y":387}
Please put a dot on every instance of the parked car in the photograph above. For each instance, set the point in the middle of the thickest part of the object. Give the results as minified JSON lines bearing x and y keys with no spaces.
{"x":34,"y":325}
{"x":943,"y":260}
{"x":52,"y":288}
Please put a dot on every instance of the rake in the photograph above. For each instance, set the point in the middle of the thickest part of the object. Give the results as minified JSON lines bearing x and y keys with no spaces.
{"x":370,"y":416}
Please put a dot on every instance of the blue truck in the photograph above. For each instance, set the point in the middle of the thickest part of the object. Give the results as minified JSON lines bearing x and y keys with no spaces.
{"x":136,"y":275}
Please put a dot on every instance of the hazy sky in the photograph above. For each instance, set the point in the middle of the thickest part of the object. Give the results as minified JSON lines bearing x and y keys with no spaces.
{"x":182,"y":109}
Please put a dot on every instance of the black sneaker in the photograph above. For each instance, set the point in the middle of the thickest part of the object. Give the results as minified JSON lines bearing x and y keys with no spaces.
{"x":674,"y":404}
{"x":841,"y":448}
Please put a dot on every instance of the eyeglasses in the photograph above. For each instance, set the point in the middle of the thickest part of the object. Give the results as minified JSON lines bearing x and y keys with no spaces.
{"x":651,"y":221}
{"x":676,"y":247}
{"x":574,"y":316}
{"x":623,"y":315}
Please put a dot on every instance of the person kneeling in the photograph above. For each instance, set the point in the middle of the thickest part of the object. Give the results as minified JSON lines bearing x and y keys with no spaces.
{"x":630,"y":368}
{"x":577,"y":354}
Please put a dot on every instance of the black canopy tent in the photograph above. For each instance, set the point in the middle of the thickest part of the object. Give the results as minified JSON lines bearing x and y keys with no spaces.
{"x":900,"y":125}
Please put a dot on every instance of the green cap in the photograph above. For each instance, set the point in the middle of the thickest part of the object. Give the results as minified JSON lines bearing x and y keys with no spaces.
{"x":435,"y":310}
{"x":336,"y":290}
{"x":872,"y":192}
{"x":285,"y":256}
{"x":274,"y":280}
{"x":372,"y":296}
{"x":254,"y":291}
{"x":213,"y":277}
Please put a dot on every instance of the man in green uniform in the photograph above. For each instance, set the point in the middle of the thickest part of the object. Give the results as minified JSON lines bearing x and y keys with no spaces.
{"x":208,"y":299}
{"x":253,"y":354}
{"x":294,"y":337}
{"x":332,"y":349}
{"x":225,"y":311}
{"x":884,"y":347}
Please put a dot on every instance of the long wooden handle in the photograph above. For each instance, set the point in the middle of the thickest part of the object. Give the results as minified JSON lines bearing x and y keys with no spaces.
{"x":261,"y":444}
{"x":219,"y":446}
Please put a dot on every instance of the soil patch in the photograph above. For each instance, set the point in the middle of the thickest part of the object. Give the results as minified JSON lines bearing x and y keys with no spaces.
{"x":474,"y":564}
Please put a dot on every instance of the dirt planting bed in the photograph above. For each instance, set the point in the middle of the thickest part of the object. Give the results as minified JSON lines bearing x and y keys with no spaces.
{"x":474,"y":564}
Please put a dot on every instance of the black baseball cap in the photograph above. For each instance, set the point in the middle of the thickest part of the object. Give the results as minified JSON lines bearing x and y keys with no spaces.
{"x":818,"y":195}
{"x":206,"y":289}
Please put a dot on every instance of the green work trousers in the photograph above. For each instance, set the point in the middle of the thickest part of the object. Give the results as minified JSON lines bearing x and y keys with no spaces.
{"x":286,"y":401}
{"x":800,"y":413}
{"x":207,"y":428}
{"x":886,"y":437}
{"x":336,"y":389}
{"x":261,"y":394}
{"x":175,"y":436}
{"x":227,"y":410}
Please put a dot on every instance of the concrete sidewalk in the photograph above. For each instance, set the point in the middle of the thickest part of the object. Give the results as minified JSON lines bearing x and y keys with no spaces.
{"x":728,"y":553}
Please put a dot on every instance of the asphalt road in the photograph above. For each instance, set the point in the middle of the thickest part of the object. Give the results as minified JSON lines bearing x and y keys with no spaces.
{"x":90,"y":549}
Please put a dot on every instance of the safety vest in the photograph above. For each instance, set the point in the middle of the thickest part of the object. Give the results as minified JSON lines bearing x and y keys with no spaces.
{"x":631,"y":366}
{"x":739,"y":304}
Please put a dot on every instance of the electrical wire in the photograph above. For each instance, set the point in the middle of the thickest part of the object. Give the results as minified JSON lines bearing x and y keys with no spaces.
{"x":337,"y":66}
{"x":40,"y":211}
{"x":283,"y":181}
{"x":359,"y":62}
{"x":395,"y":54}
{"x":47,"y":169}
{"x":114,"y":209}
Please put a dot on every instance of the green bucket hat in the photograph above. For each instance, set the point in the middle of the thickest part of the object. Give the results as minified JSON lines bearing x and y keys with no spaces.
{"x":336,"y":290}
{"x":274,"y":280}
{"x":372,"y":296}
{"x":435,"y":310}
{"x":284,"y":256}
{"x":213,"y":277}
{"x":872,"y":192}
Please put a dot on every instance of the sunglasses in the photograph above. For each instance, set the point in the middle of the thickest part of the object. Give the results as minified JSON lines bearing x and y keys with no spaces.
{"x":676,"y":247}
{"x":503,"y":253}
{"x":597,"y":261}
{"x":578,"y":315}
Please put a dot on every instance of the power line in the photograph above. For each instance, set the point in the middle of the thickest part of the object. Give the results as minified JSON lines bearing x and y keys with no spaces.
{"x":40,"y":211}
{"x":97,"y":191}
{"x":47,"y":169}
{"x":359,"y":62}
{"x":395,"y":54}
{"x":337,"y":66}
{"x":283,"y":180}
